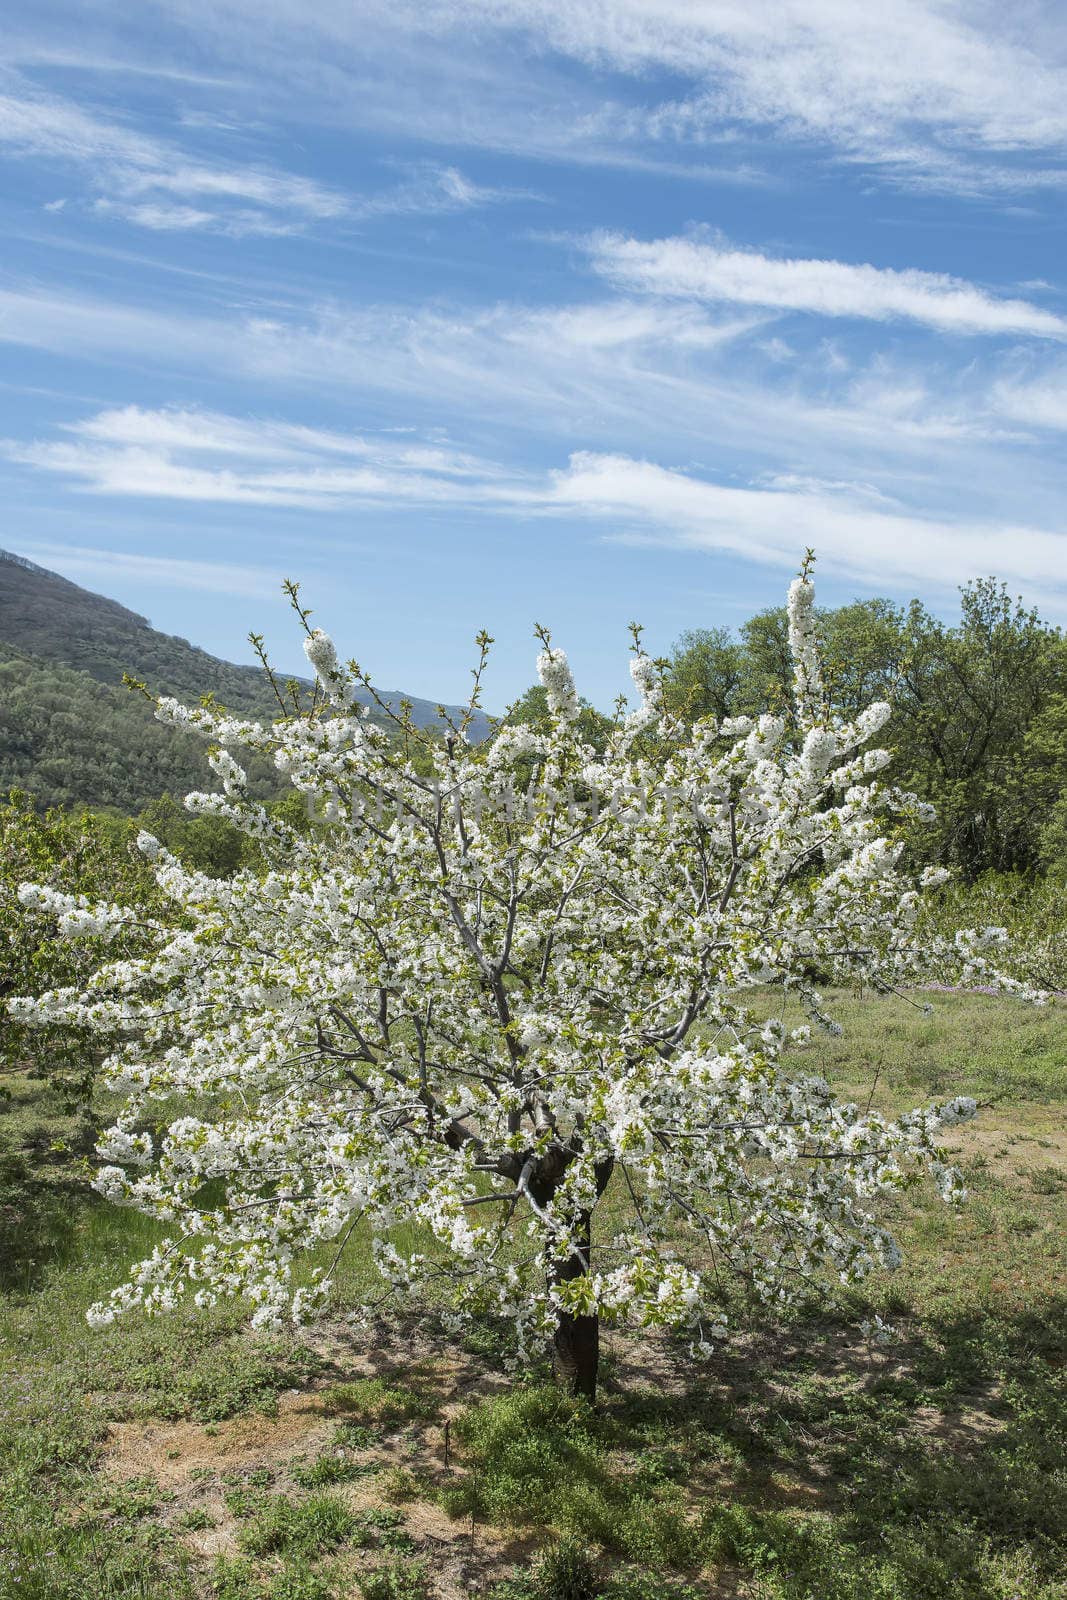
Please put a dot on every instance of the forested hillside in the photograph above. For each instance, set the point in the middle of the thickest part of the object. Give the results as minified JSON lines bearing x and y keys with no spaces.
{"x":71,"y":733}
{"x":69,"y":740}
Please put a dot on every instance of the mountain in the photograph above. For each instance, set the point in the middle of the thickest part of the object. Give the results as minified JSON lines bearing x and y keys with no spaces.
{"x":72,"y":734}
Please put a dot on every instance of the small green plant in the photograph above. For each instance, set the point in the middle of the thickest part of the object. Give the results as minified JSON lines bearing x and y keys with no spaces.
{"x":244,"y":1501}
{"x":376,"y":1400}
{"x":295,"y":1584}
{"x":255,"y":1478}
{"x":238,"y":1580}
{"x":644,"y":1585}
{"x":324,"y":1469}
{"x":233,"y":1579}
{"x":399,"y":1484}
{"x":565,"y":1571}
{"x":355,"y":1436}
{"x":400,"y":1580}
{"x":658,"y":1532}
{"x":195,"y":1521}
{"x":385,"y":1527}
{"x":134,"y":1498}
{"x":285,"y":1527}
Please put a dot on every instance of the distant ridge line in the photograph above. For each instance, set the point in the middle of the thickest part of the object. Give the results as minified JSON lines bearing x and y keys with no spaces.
{"x":24,"y":561}
{"x":106,"y":639}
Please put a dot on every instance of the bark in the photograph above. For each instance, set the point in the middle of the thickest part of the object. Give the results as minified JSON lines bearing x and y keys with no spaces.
{"x":576,"y":1342}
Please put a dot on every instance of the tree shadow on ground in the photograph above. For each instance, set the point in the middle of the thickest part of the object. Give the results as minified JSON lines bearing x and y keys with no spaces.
{"x":932,"y":1468}
{"x":37,"y":1221}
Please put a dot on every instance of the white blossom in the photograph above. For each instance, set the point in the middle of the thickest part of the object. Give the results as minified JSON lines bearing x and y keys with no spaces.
{"x":553,"y":669}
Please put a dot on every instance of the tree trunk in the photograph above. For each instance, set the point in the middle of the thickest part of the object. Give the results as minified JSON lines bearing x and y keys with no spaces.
{"x":576,"y":1342}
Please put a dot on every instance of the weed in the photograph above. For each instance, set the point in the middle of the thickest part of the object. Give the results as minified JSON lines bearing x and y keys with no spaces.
{"x":254,"y":1478}
{"x":400,"y":1580}
{"x":355,"y":1436}
{"x":375,"y":1400}
{"x":134,"y":1498}
{"x":207,"y":1369}
{"x":195,"y":1520}
{"x":536,"y":1456}
{"x":286,"y":1527}
{"x":325,"y":1469}
{"x":399,"y":1484}
{"x":385,"y":1527}
{"x":244,"y":1501}
{"x":565,"y":1571}
{"x":239,"y":1580}
{"x":295,"y":1584}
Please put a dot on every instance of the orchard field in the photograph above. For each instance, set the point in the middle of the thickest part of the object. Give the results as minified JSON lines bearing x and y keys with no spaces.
{"x":185,"y":1457}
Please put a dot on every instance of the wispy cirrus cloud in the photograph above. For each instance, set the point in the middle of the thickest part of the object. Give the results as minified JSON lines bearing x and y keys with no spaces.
{"x":957,"y":98}
{"x":633,"y":373}
{"x":429,"y":190}
{"x":1034,"y":402}
{"x":714,"y":271}
{"x":861,"y":530}
{"x":156,"y":184}
{"x":214,"y":433}
{"x":174,"y":454}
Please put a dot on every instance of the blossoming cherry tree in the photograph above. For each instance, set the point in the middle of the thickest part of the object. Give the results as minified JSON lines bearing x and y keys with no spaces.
{"x":498,"y":982}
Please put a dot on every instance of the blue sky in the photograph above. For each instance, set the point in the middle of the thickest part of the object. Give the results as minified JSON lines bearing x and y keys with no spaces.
{"x":479,"y":312}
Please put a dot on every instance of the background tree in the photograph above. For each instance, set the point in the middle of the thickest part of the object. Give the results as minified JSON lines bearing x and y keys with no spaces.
{"x":83,"y":857}
{"x":977,"y":726}
{"x":969,"y":697}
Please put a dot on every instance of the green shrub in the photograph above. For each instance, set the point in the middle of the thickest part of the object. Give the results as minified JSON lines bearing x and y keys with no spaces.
{"x":89,"y":855}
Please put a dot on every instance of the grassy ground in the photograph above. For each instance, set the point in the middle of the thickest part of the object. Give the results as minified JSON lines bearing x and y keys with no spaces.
{"x":182,"y":1460}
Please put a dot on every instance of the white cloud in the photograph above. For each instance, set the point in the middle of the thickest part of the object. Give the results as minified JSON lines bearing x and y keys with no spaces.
{"x":853,"y":530}
{"x":215,"y":433}
{"x":857,"y":527}
{"x":235,"y":224}
{"x":911,"y":84}
{"x":72,"y":325}
{"x":175,"y":455}
{"x":622,"y":374}
{"x":131,"y":171}
{"x":1037,"y":402}
{"x":693,"y":269}
{"x":430,"y":190}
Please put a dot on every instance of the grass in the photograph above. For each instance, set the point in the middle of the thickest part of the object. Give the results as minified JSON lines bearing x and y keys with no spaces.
{"x":803,"y":1464}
